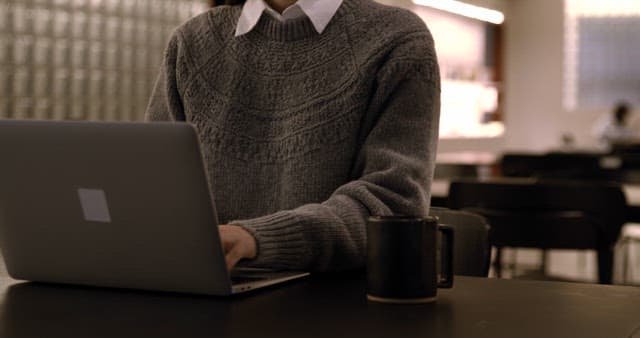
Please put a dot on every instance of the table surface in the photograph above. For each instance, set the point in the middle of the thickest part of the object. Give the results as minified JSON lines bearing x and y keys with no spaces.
{"x":324,"y":306}
{"x":440,"y":188}
{"x":467,"y":158}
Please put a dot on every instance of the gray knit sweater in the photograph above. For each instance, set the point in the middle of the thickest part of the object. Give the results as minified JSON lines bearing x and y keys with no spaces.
{"x":306,"y":135}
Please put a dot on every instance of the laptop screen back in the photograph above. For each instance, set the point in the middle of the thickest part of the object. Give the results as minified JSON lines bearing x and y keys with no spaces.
{"x":108,"y":204}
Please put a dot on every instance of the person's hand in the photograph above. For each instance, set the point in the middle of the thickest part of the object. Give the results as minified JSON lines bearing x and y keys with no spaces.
{"x":237,"y":244}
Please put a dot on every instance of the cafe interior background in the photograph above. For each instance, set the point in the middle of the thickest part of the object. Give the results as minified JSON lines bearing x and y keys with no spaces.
{"x":517,"y":75}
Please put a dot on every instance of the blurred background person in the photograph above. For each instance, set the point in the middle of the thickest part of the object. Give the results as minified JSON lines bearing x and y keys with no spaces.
{"x":616,"y":127}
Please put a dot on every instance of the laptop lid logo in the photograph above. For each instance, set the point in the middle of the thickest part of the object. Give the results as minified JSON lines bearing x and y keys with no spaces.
{"x":94,"y":205}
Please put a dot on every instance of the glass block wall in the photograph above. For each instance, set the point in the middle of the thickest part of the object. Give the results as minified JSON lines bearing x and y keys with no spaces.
{"x":602,"y":53}
{"x":608,"y":61}
{"x":84,"y":59}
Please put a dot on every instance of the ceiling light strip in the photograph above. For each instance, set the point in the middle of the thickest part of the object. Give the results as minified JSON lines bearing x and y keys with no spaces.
{"x":465,"y":9}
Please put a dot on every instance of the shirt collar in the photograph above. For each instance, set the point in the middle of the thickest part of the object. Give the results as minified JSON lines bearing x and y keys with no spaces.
{"x":319,"y":12}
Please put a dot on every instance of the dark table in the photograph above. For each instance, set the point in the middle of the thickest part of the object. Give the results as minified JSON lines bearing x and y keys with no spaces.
{"x":324,"y":306}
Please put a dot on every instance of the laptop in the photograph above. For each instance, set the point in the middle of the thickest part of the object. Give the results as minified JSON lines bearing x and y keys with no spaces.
{"x":113,"y":204}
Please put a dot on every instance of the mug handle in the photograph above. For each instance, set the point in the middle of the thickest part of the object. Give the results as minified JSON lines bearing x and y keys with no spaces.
{"x":446,"y":281}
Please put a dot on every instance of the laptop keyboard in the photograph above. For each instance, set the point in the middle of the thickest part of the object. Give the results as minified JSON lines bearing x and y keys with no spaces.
{"x":245,"y":279}
{"x":240,"y":276}
{"x":247,"y":275}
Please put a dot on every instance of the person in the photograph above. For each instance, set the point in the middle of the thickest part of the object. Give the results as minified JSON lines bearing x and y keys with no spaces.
{"x":615,"y":128}
{"x":312,"y":116}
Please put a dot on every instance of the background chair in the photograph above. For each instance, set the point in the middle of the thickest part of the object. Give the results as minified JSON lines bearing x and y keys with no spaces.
{"x":554,"y":165}
{"x":522,"y":164}
{"x":547,"y":215}
{"x":450,"y":172}
{"x":472,"y":252}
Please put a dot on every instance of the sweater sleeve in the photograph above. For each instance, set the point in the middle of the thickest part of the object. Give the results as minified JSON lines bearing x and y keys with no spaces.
{"x":392,"y":173}
{"x":165,"y":103}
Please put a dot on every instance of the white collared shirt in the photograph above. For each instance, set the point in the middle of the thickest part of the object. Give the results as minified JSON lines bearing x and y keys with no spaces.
{"x":319,"y":12}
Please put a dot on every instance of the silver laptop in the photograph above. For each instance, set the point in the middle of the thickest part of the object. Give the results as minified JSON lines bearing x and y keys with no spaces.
{"x":123,"y":205}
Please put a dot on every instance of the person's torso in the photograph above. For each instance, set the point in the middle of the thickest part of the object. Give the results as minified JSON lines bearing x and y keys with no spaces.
{"x":279,"y":113}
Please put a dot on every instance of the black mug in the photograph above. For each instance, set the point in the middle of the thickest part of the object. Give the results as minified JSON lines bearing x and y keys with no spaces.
{"x":402,"y":259}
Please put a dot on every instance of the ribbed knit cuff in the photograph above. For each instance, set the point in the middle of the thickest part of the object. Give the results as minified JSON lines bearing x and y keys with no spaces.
{"x":279,"y":240}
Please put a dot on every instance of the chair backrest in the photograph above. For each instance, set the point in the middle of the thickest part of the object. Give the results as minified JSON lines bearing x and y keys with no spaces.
{"x":455,"y":171}
{"x":521,"y":164}
{"x":553,"y":165}
{"x":581,"y":165}
{"x":602,"y":204}
{"x":625,"y":148}
{"x":472,"y":253}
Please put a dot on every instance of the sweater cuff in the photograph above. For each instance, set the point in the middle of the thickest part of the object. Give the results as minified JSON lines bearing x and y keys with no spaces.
{"x":279,"y":239}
